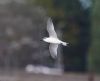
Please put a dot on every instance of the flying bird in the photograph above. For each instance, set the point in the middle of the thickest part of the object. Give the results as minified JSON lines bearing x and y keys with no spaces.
{"x":53,"y":39}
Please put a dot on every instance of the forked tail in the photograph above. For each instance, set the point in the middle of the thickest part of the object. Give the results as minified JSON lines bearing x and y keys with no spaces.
{"x":64,"y":43}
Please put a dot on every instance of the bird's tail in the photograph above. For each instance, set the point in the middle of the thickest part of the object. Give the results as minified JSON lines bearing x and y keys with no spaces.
{"x":64,"y":43}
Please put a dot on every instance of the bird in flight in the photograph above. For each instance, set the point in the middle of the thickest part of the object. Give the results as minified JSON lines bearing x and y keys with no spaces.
{"x":53,"y":39}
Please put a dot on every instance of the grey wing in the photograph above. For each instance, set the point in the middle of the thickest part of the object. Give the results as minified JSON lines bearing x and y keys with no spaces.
{"x":50,"y":28}
{"x":53,"y":50}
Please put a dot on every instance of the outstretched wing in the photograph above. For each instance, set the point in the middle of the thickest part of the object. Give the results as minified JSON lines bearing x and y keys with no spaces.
{"x":53,"y":50}
{"x":50,"y":28}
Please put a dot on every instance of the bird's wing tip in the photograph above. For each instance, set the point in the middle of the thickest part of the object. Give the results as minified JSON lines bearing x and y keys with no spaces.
{"x":49,"y":19}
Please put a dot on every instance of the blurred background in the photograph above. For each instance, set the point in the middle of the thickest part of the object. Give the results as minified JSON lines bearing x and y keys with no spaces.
{"x":23,"y":26}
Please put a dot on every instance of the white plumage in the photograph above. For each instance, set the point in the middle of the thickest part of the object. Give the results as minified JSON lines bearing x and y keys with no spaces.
{"x":53,"y":39}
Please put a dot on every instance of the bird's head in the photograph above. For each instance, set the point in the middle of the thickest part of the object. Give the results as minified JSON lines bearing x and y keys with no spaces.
{"x":45,"y":39}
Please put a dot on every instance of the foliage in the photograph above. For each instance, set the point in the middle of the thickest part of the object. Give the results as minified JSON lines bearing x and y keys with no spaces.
{"x":94,"y":58}
{"x":48,"y":5}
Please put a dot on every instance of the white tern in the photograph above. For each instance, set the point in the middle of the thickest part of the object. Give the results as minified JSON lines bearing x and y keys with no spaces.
{"x":53,"y":39}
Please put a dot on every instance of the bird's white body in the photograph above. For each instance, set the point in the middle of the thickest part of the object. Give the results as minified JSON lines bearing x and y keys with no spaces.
{"x":53,"y":39}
